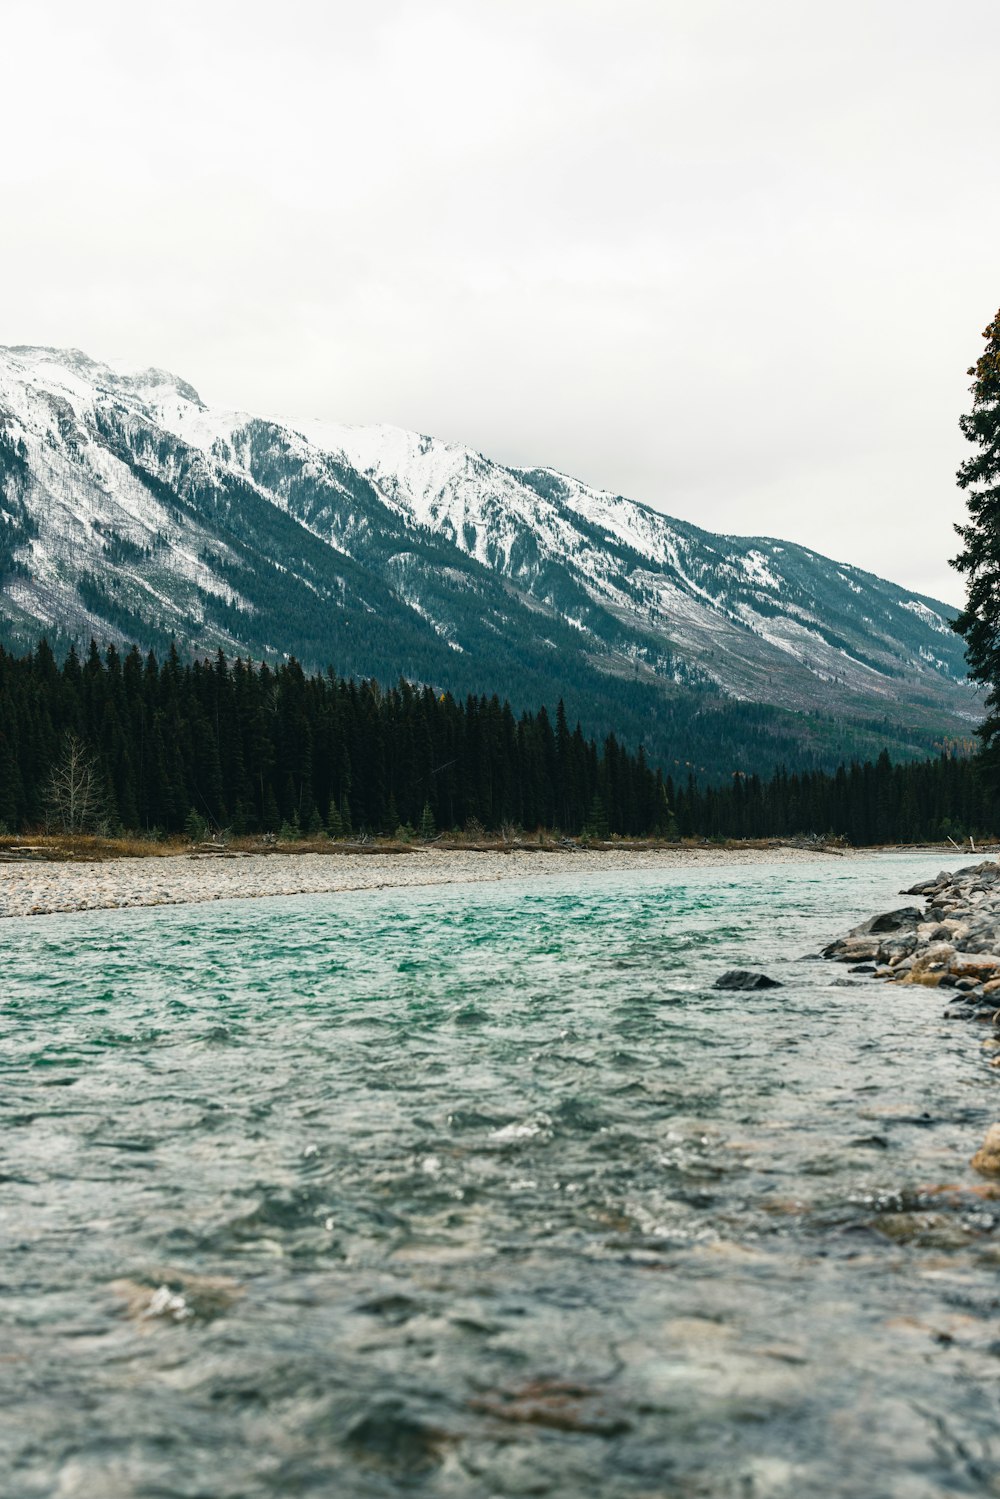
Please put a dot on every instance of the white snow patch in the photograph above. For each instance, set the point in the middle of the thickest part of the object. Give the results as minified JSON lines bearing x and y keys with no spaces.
{"x":758,"y":570}
{"x":930,"y":617}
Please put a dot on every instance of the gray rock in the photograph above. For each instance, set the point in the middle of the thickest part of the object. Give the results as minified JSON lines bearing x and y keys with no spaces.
{"x":863,"y":968}
{"x":928,"y":887}
{"x":940,"y":882}
{"x":746,"y":978}
{"x":853,"y":949}
{"x":901,"y":920}
{"x":901,"y":946}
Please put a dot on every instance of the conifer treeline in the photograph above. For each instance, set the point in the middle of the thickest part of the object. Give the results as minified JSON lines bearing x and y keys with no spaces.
{"x":923,"y":801}
{"x":253,"y":748}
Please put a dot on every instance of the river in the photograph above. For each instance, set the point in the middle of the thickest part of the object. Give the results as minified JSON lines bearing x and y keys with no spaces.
{"x":485,"y":1191}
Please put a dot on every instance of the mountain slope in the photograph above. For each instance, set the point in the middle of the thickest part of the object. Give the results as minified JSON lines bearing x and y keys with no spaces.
{"x":129,"y":509}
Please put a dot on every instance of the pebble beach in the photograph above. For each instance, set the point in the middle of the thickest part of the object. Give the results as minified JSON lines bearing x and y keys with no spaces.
{"x":40,"y":887}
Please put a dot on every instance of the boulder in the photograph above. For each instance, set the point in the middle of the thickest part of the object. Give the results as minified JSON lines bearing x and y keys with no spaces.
{"x":937,"y":956}
{"x":987,"y":1158}
{"x":918,"y":976}
{"x":906,"y":918}
{"x":854,"y":949}
{"x":895,"y":949}
{"x":746,"y":978}
{"x":974,"y":965}
{"x":928,"y":887}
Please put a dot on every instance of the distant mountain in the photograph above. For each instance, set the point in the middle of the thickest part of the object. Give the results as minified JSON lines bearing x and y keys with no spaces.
{"x":129,"y":510}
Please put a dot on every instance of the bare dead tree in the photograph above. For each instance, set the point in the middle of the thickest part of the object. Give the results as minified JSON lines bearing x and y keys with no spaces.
{"x":74,"y":798}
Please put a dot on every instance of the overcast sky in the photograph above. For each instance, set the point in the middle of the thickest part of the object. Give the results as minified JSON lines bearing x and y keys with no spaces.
{"x":730,"y":257}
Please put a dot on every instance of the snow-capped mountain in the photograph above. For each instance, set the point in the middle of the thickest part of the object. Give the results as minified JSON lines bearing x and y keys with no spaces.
{"x":130,"y":510}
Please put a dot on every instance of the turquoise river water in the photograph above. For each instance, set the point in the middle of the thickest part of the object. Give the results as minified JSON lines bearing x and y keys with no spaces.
{"x":482,"y":1190}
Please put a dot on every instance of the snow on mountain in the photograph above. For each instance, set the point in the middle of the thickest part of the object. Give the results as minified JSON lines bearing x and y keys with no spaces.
{"x":129,"y":507}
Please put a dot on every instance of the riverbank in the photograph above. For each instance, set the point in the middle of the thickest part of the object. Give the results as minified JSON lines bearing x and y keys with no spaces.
{"x":43,"y":886}
{"x":952,"y":944}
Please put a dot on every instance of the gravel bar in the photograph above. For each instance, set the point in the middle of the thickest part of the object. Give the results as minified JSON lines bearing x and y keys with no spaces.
{"x":40,"y":887}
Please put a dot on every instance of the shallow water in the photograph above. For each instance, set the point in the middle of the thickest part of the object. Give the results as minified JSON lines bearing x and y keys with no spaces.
{"x":483,"y":1190}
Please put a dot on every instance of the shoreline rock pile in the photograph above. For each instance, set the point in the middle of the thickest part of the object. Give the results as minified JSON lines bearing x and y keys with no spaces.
{"x":953,"y":944}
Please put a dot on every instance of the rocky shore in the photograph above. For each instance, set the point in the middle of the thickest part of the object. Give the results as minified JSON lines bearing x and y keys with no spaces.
{"x":40,"y":887}
{"x":951,"y":943}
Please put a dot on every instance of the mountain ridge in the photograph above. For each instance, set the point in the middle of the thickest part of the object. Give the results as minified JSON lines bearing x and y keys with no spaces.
{"x":129,"y":508}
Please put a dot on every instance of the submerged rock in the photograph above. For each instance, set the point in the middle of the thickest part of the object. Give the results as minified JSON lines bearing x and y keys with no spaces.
{"x":561,"y":1405}
{"x":178,"y":1296}
{"x":389,"y":1437}
{"x":746,"y":978}
{"x":987,"y":1158}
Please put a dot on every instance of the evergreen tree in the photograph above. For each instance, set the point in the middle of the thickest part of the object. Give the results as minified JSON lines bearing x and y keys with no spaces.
{"x":979,"y":559}
{"x":427,"y":828}
{"x":187,"y":744}
{"x":597,"y":819}
{"x":11,"y":791}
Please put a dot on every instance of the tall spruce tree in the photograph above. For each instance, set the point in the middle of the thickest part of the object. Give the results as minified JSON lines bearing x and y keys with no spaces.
{"x":979,"y":560}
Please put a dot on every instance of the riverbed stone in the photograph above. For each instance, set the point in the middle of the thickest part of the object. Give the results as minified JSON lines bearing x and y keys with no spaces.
{"x":987,"y":1158}
{"x":903,"y":919}
{"x":854,"y":949}
{"x":746,"y":978}
{"x":973,"y":965}
{"x":924,"y":978}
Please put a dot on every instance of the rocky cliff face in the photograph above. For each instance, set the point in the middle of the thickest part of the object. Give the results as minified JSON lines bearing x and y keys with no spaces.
{"x":130,"y":510}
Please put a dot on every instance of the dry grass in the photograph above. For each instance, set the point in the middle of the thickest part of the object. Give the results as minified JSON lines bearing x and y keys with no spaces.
{"x":63,"y":847}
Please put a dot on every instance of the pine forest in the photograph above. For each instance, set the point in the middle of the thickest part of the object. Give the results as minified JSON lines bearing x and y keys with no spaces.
{"x":130,"y":743}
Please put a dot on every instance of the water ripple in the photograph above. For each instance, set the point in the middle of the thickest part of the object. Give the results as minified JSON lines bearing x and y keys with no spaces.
{"x":485,"y":1190}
